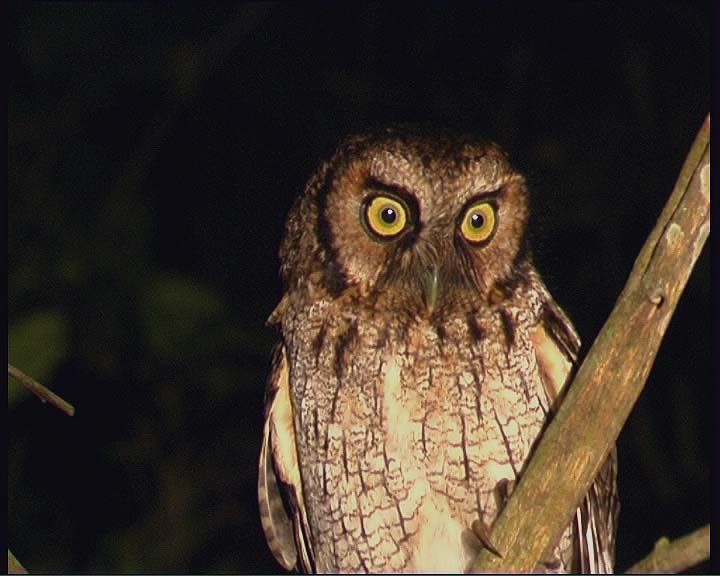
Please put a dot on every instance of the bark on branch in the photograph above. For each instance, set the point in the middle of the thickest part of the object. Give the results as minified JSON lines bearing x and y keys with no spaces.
{"x":14,"y":566}
{"x":672,"y":557}
{"x":40,"y":391}
{"x":608,"y":383}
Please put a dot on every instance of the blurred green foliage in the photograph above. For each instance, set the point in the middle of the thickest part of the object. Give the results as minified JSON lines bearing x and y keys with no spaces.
{"x":38,"y":343}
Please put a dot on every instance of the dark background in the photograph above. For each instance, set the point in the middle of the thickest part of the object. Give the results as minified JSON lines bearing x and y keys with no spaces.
{"x":153,"y":152}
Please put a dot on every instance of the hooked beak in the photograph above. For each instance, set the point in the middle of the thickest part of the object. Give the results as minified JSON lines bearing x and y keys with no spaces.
{"x":431,"y":288}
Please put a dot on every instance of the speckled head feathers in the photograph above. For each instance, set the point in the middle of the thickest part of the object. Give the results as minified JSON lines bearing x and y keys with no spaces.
{"x":441,"y":191}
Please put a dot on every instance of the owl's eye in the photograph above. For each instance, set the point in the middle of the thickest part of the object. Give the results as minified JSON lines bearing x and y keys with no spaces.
{"x":478,"y":222}
{"x":385,"y":217}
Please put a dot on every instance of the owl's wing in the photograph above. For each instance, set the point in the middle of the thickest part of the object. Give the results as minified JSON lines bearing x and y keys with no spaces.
{"x":282,"y":508}
{"x":596,"y":521}
{"x":556,"y":348}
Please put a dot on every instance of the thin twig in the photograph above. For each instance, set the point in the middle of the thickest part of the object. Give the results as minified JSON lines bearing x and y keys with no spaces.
{"x":578,"y":440}
{"x":671,"y":557}
{"x":40,"y":391}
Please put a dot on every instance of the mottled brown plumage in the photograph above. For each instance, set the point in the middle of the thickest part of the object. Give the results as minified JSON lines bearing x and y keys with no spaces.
{"x":421,"y":358}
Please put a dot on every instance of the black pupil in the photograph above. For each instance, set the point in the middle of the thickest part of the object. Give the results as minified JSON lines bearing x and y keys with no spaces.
{"x":477,"y":220}
{"x":388,"y":215}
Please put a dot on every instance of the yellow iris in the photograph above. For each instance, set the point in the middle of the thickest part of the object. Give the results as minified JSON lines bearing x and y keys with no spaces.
{"x":478,"y":223}
{"x":385,"y":217}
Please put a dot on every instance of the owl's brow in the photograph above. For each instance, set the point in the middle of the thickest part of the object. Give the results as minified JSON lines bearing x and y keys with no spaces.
{"x":377,"y":185}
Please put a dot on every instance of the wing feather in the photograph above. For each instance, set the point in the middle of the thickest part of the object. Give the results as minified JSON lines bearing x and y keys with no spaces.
{"x":556,"y":348}
{"x":282,"y":508}
{"x":599,"y":512}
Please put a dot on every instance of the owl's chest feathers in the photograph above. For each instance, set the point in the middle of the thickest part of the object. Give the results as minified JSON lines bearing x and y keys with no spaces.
{"x":406,"y":429}
{"x":350,"y":370}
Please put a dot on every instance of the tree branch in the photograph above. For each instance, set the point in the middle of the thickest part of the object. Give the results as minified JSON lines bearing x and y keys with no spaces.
{"x":578,"y":440}
{"x":14,"y":566}
{"x":40,"y":391}
{"x":672,"y":557}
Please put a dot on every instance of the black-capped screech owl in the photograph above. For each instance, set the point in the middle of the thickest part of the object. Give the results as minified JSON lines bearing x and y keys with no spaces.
{"x":421,"y":358}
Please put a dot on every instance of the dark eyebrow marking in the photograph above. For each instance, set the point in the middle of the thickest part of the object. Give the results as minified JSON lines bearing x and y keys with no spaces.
{"x":378,"y":185}
{"x":490,"y":196}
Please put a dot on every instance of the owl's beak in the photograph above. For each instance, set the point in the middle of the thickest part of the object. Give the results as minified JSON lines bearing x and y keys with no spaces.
{"x":431,"y":288}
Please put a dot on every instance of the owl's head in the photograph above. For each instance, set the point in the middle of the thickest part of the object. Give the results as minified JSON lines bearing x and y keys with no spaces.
{"x":426,"y":222}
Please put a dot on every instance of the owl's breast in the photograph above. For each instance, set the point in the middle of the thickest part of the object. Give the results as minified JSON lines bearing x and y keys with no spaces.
{"x":408,"y":433}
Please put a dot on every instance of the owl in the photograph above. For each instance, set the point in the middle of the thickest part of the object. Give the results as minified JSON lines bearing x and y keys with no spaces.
{"x":421,"y":357}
